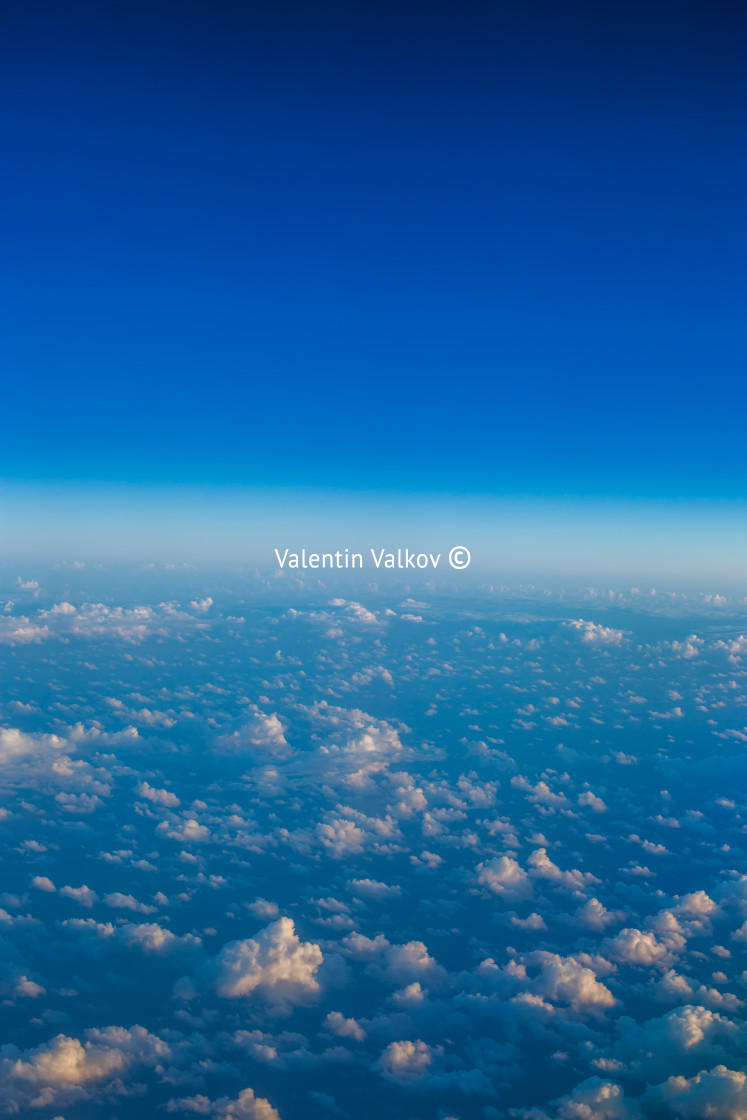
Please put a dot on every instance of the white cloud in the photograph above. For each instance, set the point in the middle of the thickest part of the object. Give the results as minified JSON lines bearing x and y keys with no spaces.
{"x":275,"y":963}
{"x":83,"y":895}
{"x":157,"y":796}
{"x":42,"y":883}
{"x":260,"y":733}
{"x":119,"y":901}
{"x":405,"y":1059}
{"x":542,"y":867}
{"x":566,"y":980}
{"x":596,"y":1099}
{"x":66,"y":1068}
{"x":344,"y":1028}
{"x":246,"y":1106}
{"x":504,"y":876}
{"x":595,"y":634}
{"x":718,"y":1094}
{"x":641,"y":948}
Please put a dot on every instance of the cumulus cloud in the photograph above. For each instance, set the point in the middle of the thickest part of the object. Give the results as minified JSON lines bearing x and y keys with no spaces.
{"x":718,"y":1094}
{"x":275,"y":965}
{"x":261,"y":733}
{"x":344,"y":1028}
{"x":67,"y":1069}
{"x":504,"y":877}
{"x":406,"y":1060}
{"x":247,"y":1106}
{"x":594,"y":1099}
{"x":119,"y":901}
{"x":683,"y":1041}
{"x":566,"y":980}
{"x":82,"y":895}
{"x":43,"y":883}
{"x":595,"y":634}
{"x":157,"y":796}
{"x":642,"y":948}
{"x":542,"y":867}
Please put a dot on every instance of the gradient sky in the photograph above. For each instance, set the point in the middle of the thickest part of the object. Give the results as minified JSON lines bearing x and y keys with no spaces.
{"x":496,"y":249}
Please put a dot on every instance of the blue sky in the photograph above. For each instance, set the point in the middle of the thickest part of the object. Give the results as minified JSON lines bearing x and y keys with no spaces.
{"x":491,"y":251}
{"x":304,"y":845}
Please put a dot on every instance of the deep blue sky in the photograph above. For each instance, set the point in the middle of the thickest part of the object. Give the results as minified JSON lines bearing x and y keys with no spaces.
{"x":497,"y":248}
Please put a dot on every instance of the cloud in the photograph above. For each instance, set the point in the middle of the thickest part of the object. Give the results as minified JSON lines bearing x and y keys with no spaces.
{"x":719,"y":1094}
{"x":641,"y":948}
{"x":119,"y":901}
{"x":371,"y":888}
{"x":505,"y":877}
{"x":15,"y":744}
{"x":157,"y":796}
{"x":42,"y":883}
{"x":406,"y":1060}
{"x":83,"y":895}
{"x":246,"y":1106}
{"x":595,"y":634}
{"x":261,"y":733}
{"x":67,"y":1069}
{"x":567,"y":980}
{"x":542,"y":867}
{"x":681,"y":1042}
{"x":594,"y":1099}
{"x":344,"y":1028}
{"x":275,"y":964}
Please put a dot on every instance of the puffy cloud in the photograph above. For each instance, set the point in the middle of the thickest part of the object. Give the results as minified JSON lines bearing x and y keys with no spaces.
{"x":566,"y":980}
{"x":356,"y":611}
{"x":595,"y":634}
{"x":589,"y":800}
{"x":149,"y":936}
{"x":371,"y":888}
{"x":689,"y":649}
{"x":21,"y":631}
{"x":28,"y":989}
{"x":595,"y":916}
{"x":263,"y":909}
{"x":348,"y":831}
{"x":542,"y":867}
{"x":119,"y":901}
{"x":344,"y":1028}
{"x":341,"y":837}
{"x":246,"y":1106}
{"x":15,"y":744}
{"x":505,"y":877}
{"x":683,"y":1041}
{"x":157,"y":796}
{"x":62,"y":608}
{"x":66,"y":1068}
{"x":410,"y":962}
{"x":532,"y":921}
{"x":83,"y":895}
{"x":185,"y":831}
{"x":43,"y":883}
{"x":719,"y":1094}
{"x":152,"y":938}
{"x":406,"y":963}
{"x":596,"y":1099}
{"x":641,"y":948}
{"x":261,"y":733}
{"x":406,"y":1060}
{"x":275,"y":964}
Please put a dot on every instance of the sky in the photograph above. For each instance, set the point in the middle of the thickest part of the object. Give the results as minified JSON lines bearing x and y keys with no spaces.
{"x":419,"y":841}
{"x":494,"y":250}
